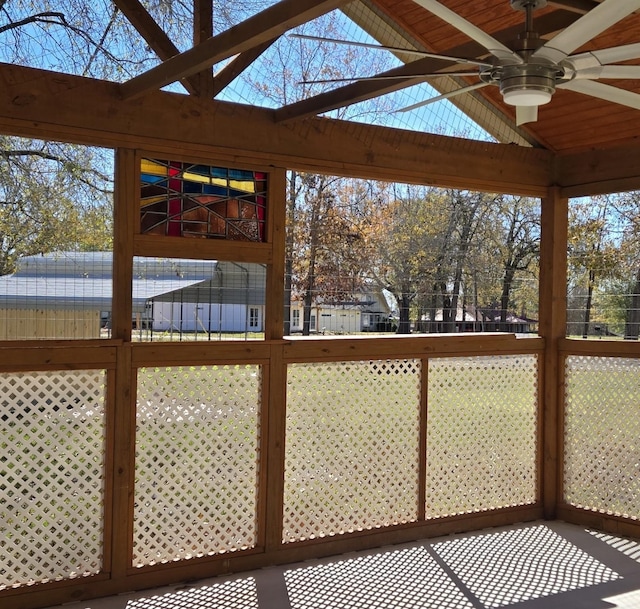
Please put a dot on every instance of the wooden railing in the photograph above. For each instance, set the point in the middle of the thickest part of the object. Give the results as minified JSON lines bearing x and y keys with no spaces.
{"x":143,"y":464}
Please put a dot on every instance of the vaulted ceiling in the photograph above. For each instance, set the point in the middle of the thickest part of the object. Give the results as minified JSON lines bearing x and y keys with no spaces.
{"x":571,"y":121}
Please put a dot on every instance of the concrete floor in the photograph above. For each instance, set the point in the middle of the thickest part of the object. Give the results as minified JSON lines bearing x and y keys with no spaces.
{"x":541,"y":565}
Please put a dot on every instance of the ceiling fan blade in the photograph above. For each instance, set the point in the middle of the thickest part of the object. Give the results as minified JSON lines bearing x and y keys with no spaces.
{"x":602,"y":91}
{"x":367,"y":45}
{"x":526,"y":114}
{"x":621,"y":72}
{"x":604,"y":56}
{"x":495,"y":47}
{"x":597,"y":20}
{"x":383,"y":77}
{"x":438,"y":98}
{"x":608,"y":72}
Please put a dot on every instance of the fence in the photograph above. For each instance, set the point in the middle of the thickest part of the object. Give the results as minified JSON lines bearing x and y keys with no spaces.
{"x":130,"y":465}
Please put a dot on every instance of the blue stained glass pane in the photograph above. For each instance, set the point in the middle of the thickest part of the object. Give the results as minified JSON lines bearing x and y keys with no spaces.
{"x":220,"y":191}
{"x":219,"y":172}
{"x":203,"y":170}
{"x":239,"y":194}
{"x":191,"y":187}
{"x":239,"y":174}
{"x":151,"y":179}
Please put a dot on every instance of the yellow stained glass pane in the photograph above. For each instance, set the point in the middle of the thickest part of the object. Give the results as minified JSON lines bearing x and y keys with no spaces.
{"x":197,"y":177}
{"x":150,"y":200}
{"x":147,"y":166}
{"x":246,"y":186}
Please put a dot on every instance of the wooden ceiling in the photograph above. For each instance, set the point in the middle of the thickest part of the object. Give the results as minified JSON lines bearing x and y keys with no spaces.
{"x":580,"y":145}
{"x":571,"y":121}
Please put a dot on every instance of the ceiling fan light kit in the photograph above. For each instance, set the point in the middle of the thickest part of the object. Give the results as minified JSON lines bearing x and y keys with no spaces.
{"x":526,"y":97}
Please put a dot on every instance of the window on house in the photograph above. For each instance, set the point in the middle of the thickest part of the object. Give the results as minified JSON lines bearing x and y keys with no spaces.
{"x":254,"y":317}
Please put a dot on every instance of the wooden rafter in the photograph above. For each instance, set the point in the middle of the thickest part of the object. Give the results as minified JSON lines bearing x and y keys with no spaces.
{"x":368,"y":89}
{"x":54,"y":106}
{"x":256,"y":30}
{"x":237,"y":66}
{"x":581,"y":7}
{"x":154,"y":36}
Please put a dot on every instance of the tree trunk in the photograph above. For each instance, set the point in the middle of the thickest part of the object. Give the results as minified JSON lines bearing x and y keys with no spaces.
{"x":288,"y":264}
{"x":507,"y":282}
{"x":587,"y":307}
{"x":308,"y":295}
{"x":404,"y":323}
{"x":632,"y":322}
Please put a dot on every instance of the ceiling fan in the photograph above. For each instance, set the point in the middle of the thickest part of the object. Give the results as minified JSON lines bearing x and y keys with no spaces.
{"x":529,"y":73}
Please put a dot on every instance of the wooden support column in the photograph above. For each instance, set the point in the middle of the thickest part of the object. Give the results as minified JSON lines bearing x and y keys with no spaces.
{"x":123,"y":399}
{"x":553,"y":318}
{"x":274,"y":419}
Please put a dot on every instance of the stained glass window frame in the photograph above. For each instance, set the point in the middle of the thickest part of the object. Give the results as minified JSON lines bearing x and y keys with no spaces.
{"x":188,"y":198}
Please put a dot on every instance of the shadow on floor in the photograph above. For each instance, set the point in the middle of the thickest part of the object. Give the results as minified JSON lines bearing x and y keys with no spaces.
{"x":531,"y":566}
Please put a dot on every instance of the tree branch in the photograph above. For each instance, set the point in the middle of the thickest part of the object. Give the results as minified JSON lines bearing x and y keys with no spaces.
{"x":66,"y":163}
{"x":46,"y":17}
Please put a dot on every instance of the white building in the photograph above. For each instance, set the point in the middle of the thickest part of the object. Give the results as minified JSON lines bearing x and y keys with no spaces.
{"x":68,"y":295}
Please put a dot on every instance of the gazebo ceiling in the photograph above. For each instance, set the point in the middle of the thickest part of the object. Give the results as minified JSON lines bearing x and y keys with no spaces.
{"x":571,"y":121}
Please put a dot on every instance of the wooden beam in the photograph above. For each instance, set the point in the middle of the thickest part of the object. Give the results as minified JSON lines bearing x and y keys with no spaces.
{"x":582,"y":7}
{"x":368,"y":89}
{"x":154,"y":36}
{"x":600,"y":171}
{"x":121,"y":449}
{"x":256,"y":30}
{"x":37,"y":103}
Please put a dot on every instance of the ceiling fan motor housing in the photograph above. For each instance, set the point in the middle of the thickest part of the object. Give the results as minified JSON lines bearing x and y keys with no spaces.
{"x":528,"y":84}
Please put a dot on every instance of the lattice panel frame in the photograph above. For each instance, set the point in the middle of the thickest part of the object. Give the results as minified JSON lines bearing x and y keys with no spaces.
{"x":197,"y":450}
{"x":601,"y":431}
{"x":352,"y":447}
{"x":482,"y":433}
{"x":52,"y":455}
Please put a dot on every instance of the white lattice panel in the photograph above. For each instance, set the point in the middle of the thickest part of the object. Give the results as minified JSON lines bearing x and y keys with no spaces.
{"x":196,"y":461}
{"x":352,"y":447}
{"x":601,"y":431}
{"x":52,"y":433}
{"x":481,"y":433}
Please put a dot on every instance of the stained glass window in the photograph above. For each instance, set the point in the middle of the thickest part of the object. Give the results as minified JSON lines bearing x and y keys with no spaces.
{"x":193,"y":200}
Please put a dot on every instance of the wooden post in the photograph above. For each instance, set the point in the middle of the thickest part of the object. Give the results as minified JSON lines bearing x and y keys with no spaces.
{"x":274,"y":402}
{"x":553,"y":320}
{"x":123,"y":398}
